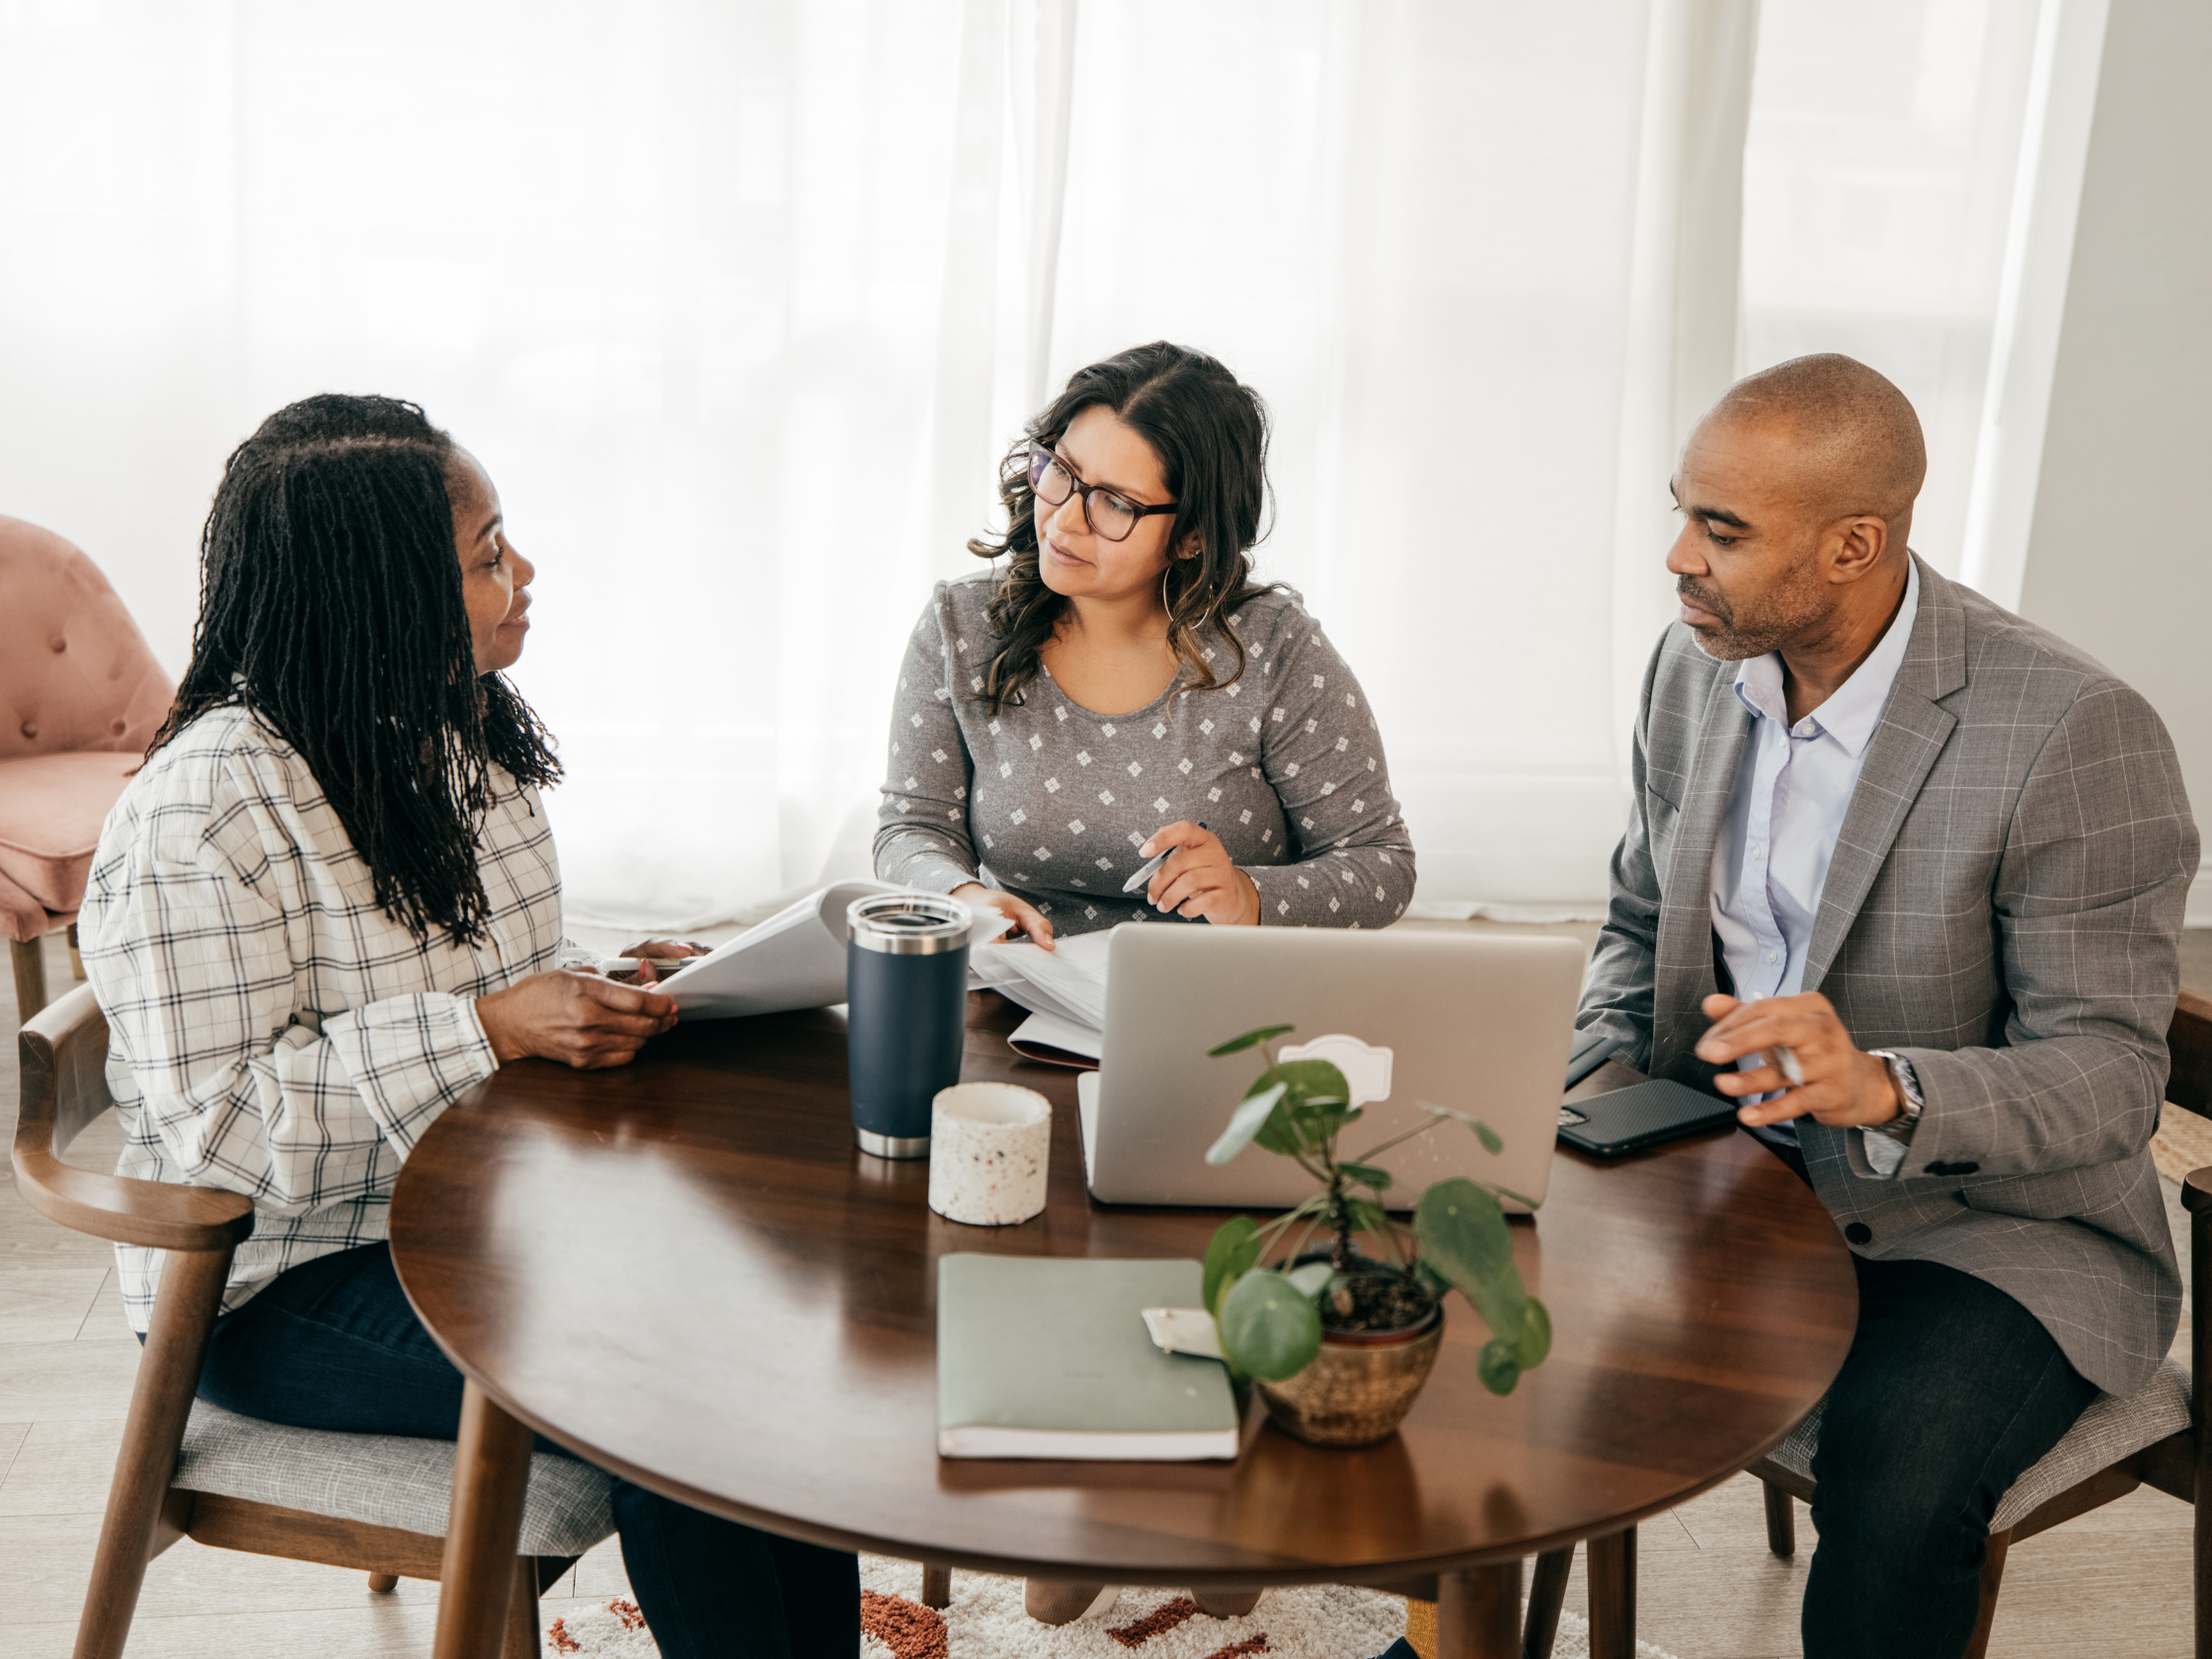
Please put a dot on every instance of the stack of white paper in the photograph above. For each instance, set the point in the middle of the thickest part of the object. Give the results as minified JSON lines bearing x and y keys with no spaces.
{"x":1063,"y":989}
{"x":796,"y":958}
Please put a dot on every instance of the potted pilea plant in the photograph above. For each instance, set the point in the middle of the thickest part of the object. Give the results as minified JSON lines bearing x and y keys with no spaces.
{"x":1339,"y":1343}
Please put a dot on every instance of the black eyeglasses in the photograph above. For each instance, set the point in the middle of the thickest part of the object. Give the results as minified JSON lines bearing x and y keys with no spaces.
{"x":1109,"y":515}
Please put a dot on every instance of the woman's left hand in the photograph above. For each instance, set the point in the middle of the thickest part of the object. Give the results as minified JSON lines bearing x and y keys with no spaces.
{"x":659,"y":950}
{"x":1199,"y":878}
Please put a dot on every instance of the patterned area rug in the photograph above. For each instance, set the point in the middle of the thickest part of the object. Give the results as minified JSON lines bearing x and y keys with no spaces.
{"x":986,"y":1621}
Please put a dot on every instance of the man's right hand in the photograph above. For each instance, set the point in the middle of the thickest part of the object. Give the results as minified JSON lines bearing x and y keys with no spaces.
{"x":1022,"y":914}
{"x":579,"y":1019}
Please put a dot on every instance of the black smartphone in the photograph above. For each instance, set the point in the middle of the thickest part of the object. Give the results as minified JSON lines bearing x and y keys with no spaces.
{"x":1644,"y":1114}
{"x":1592,"y":1049}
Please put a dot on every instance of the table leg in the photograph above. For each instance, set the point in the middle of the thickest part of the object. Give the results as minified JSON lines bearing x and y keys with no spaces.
{"x":936,"y":1585}
{"x":491,"y":1479}
{"x":1479,"y":1613}
{"x":1547,"y":1592}
{"x":1613,"y":1596}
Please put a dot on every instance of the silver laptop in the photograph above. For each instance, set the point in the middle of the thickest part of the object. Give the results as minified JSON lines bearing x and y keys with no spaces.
{"x":1474,"y":1021}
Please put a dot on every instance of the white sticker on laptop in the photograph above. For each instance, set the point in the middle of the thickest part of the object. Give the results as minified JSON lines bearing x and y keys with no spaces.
{"x":1366,"y":1069}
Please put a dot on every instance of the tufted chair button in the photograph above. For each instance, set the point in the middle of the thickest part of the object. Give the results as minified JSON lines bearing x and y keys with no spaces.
{"x":59,"y":642}
{"x":116,"y":726}
{"x":29,"y":728}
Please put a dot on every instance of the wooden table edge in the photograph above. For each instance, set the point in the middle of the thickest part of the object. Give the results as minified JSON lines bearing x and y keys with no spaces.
{"x":1211,"y":1578}
{"x":1613,"y":1076}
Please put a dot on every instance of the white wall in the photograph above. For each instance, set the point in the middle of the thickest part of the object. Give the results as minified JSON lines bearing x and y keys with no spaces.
{"x":2121,"y":557}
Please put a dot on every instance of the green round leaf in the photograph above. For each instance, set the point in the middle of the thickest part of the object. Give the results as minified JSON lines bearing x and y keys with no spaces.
{"x":1463,"y":1235}
{"x":1311,"y":1277}
{"x":1315,"y":1106}
{"x":1251,"y":1038}
{"x":1535,"y":1336}
{"x":1267,"y":1327}
{"x":1497,"y":1367}
{"x":1235,"y":1247}
{"x":1244,"y":1123}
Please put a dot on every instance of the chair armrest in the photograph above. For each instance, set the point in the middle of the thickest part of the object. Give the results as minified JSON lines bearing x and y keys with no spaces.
{"x":2188,"y":1047}
{"x":62,"y":1049}
{"x":2196,"y":1199}
{"x":155,"y":1214}
{"x":2196,"y":1189}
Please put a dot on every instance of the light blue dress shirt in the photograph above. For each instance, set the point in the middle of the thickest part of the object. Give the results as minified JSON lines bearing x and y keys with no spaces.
{"x":1793,"y":786}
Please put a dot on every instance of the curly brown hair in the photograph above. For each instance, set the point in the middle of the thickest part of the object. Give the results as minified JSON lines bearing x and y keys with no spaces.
{"x":1210,"y":433}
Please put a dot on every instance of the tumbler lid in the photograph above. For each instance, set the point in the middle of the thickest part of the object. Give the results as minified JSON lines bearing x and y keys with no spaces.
{"x":908,"y":923}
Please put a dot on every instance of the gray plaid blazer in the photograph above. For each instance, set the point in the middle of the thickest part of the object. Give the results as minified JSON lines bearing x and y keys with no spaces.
{"x":2003,"y":908}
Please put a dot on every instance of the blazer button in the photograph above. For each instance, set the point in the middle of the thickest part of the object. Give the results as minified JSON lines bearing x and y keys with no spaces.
{"x":1859,"y":1232}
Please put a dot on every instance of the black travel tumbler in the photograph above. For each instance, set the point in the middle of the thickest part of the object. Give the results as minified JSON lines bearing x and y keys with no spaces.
{"x":906,"y":1015}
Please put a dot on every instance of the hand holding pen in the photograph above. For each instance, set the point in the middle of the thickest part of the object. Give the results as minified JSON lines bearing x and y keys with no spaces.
{"x":1192,"y":875}
{"x":1811,"y":1066}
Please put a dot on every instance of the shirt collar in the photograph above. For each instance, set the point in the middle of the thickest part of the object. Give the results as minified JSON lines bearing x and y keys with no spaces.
{"x":1856,"y":709}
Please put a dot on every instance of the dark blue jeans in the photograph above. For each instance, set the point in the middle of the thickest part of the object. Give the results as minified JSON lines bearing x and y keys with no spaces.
{"x":332,"y":1344}
{"x":1950,"y":1392}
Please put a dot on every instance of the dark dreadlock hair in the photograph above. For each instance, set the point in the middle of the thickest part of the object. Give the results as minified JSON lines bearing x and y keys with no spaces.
{"x":1210,"y":433}
{"x":331,"y":607}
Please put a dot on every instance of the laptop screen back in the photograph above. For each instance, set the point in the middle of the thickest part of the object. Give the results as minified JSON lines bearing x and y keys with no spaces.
{"x":1476,"y":1021}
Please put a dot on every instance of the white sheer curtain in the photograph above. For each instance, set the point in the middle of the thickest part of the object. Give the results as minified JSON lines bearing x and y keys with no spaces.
{"x":740,"y":304}
{"x":693,"y":280}
{"x":1879,"y":183}
{"x":1411,"y":227}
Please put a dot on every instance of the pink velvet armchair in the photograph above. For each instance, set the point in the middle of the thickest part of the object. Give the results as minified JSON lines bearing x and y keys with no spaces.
{"x":80,"y":699}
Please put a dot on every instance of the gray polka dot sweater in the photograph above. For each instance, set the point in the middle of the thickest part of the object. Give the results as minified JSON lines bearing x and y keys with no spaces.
{"x":1051,"y":801}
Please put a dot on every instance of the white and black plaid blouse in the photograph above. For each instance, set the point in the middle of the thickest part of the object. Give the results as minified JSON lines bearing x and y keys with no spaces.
{"x":273,"y":1031}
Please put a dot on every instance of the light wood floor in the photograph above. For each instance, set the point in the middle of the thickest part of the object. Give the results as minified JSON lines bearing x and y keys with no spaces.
{"x":2115,"y":1582}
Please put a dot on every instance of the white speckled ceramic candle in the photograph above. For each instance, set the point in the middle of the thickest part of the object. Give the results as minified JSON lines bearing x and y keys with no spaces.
{"x":990,"y":1146}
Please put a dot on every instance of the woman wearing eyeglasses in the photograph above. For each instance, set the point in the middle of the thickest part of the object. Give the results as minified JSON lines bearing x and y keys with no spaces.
{"x":1124,"y":688}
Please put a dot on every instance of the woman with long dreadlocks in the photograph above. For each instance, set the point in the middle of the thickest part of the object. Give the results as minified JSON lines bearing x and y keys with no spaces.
{"x":327,"y":906}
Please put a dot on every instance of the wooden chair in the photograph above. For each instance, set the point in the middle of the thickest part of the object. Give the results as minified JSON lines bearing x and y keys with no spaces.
{"x":2155,"y":1437}
{"x":370,"y":1502}
{"x":28,"y":958}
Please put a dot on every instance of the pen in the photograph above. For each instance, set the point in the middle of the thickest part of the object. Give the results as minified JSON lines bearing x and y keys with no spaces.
{"x":1144,"y":873}
{"x":1786,"y":1062}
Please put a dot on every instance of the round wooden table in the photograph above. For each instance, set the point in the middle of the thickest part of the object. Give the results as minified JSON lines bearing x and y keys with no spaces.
{"x":684,"y":1271}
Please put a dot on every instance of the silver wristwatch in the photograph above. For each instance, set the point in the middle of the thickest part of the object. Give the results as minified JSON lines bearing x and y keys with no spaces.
{"x":1901,"y":1127}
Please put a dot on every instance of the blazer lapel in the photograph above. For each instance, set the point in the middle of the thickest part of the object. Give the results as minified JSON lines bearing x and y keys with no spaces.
{"x":1684,"y":967}
{"x":1905,"y":744}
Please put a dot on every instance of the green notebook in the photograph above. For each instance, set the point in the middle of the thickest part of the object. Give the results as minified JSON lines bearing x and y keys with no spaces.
{"x":1049,"y":1357}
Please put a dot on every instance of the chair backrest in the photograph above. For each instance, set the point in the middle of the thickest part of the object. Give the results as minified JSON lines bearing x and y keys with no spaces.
{"x":64,"y":1054}
{"x":2188,"y":1046}
{"x":75,"y":672}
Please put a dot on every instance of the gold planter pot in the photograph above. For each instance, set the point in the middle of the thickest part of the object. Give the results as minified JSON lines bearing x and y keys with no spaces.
{"x":1357,"y":1389}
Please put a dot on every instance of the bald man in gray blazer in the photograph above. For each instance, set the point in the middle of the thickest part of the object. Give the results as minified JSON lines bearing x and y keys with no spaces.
{"x":1940,"y":856}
